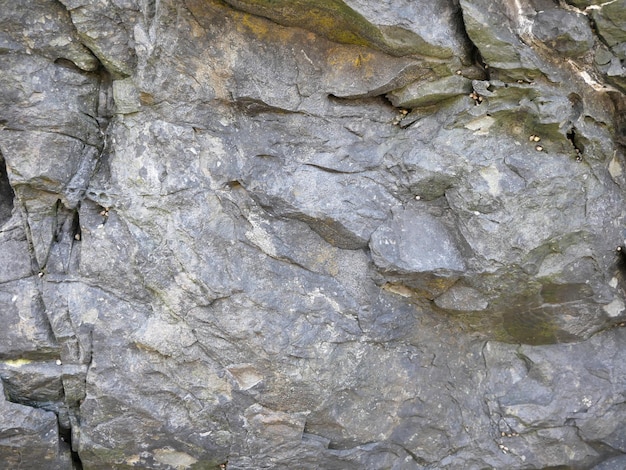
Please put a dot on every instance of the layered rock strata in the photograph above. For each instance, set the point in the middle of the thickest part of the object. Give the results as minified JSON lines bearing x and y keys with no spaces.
{"x":338,"y":234}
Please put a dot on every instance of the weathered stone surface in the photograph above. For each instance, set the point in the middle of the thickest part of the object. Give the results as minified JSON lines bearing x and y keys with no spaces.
{"x":417,"y":250}
{"x":460,"y":298}
{"x":494,"y":31}
{"x":333,"y":234}
{"x":572,"y":415}
{"x":567,"y":32}
{"x":103,"y":27}
{"x":44,"y":29}
{"x":421,"y":94}
{"x":29,"y":438}
{"x":393,"y":28}
{"x":27,"y":332}
{"x":610,"y":19}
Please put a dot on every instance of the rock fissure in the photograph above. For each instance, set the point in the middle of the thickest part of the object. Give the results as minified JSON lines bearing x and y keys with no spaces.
{"x":7,"y":196}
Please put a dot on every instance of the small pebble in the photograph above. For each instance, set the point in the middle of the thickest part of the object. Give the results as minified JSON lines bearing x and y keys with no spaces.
{"x":77,"y":236}
{"x":536,"y":138}
{"x":417,"y":198}
{"x":58,"y":362}
{"x":476,"y":97}
{"x":539,"y":148}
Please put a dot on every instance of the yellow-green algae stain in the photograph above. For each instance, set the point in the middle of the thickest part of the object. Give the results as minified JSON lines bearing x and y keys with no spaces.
{"x":338,"y":22}
{"x":17,"y":362}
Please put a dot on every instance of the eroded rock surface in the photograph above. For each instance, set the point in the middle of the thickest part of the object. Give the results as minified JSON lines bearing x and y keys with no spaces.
{"x":338,"y":234}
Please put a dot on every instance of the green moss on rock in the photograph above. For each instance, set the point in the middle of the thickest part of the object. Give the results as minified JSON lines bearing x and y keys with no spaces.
{"x":340,"y":23}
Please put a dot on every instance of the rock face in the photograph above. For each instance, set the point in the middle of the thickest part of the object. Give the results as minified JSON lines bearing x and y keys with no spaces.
{"x":330,"y":234}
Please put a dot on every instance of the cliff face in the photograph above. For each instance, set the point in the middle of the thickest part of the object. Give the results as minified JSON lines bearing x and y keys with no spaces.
{"x":312,"y":234}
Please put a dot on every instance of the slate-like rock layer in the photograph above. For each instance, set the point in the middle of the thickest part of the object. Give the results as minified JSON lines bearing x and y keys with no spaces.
{"x":338,"y":234}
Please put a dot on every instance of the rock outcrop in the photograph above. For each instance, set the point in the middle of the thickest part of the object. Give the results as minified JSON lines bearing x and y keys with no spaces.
{"x":313,"y":234}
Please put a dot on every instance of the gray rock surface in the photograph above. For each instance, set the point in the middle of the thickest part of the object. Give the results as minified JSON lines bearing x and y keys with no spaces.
{"x":338,"y":234}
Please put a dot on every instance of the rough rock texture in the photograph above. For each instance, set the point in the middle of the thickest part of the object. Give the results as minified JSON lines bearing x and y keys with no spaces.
{"x":313,"y":234}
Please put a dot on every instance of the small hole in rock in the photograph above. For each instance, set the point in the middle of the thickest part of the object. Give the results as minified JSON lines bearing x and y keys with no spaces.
{"x":620,"y":261}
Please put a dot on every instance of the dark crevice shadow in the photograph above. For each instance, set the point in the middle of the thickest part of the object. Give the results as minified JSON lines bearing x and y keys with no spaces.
{"x":7,"y":196}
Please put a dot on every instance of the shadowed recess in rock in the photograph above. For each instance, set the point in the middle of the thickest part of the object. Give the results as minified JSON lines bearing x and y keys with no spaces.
{"x":6,"y":193}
